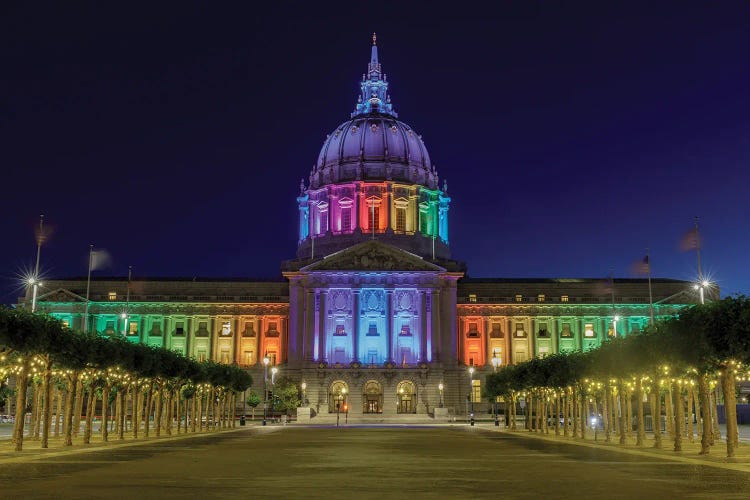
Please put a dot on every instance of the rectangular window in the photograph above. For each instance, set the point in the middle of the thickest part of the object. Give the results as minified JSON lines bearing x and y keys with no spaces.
{"x":472,"y":297}
{"x":540,"y":297}
{"x":112,"y":296}
{"x":346,"y":219}
{"x":520,"y":331}
{"x":202,"y":329}
{"x":133,"y":328}
{"x":400,"y":220}
{"x":476,"y":391}
{"x":543,"y":332}
{"x":473,"y":330}
{"x":588,"y":330}
{"x":564,"y":298}
{"x":372,"y":330}
{"x":179,"y":328}
{"x":339,"y":355}
{"x":340,"y":332}
{"x":372,"y":356}
{"x":224,"y":358}
{"x":497,"y":332}
{"x":110,"y":328}
{"x":497,"y":353}
{"x":543,"y":352}
{"x":249,"y":329}
{"x":271,"y":358}
{"x":635,"y":327}
{"x":226,"y":328}
{"x":201,"y":356}
{"x":405,"y":331}
{"x":248,"y":357}
{"x":519,"y":298}
{"x":323,"y":222}
{"x":566,"y":331}
{"x":272,"y":329}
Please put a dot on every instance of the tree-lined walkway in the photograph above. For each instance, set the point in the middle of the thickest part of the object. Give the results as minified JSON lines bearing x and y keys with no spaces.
{"x":367,"y":462}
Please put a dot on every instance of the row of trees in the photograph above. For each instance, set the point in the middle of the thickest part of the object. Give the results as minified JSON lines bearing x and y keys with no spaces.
{"x":146,"y":386}
{"x":674,"y":366}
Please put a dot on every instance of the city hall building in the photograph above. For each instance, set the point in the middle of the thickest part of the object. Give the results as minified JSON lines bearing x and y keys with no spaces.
{"x":373,"y":310}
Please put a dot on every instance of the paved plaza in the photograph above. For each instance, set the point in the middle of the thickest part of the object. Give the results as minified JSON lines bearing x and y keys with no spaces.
{"x":364,"y":462}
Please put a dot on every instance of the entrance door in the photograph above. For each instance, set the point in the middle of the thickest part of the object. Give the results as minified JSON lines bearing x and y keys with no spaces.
{"x":406,"y":396}
{"x":372,"y":397}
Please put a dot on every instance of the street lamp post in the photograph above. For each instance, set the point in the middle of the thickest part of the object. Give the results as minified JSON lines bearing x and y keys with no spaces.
{"x":614,"y":324}
{"x":440,"y":388}
{"x":701,"y":286}
{"x":265,"y":391}
{"x":346,"y":406}
{"x":495,"y":364}
{"x":471,"y":398}
{"x":304,"y":394}
{"x":274,"y":371}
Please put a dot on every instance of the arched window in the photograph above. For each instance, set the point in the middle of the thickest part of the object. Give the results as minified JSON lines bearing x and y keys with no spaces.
{"x":337,"y":395}
{"x":407,"y":401}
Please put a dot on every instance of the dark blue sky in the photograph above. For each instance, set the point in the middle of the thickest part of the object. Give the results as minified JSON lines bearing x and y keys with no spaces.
{"x":572,"y":136}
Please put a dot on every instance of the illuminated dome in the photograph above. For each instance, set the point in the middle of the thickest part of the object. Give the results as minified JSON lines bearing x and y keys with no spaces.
{"x":373,"y":179}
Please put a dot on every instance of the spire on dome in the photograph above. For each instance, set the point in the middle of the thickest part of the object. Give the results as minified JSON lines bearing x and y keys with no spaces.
{"x":374,"y":96}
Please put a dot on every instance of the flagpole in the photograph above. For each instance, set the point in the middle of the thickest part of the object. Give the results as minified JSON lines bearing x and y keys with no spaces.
{"x":650,"y":293}
{"x":88,"y":289}
{"x":127,"y":301}
{"x":36,"y":268}
{"x":698,"y":250}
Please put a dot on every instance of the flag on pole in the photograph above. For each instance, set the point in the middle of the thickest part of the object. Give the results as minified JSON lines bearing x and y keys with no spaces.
{"x":642,"y":266}
{"x":690,"y":240}
{"x":100,"y":259}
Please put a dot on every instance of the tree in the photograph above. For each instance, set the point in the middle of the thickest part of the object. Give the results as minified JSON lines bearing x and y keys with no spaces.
{"x":286,"y":395}
{"x":253,"y":400}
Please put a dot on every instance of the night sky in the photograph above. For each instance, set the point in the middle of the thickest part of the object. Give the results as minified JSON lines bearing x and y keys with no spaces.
{"x":572,"y":135}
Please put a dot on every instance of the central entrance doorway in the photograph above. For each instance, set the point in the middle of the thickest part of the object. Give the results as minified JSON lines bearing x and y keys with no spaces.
{"x":406,"y":397}
{"x":372,"y":397}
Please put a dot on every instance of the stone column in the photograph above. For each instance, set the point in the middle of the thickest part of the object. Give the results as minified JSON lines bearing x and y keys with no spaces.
{"x":532,"y":338}
{"x":433,"y":324}
{"x":389,"y":323}
{"x":423,"y":333}
{"x":309,"y":325}
{"x":283,"y":340}
{"x":580,"y":333}
{"x":555,"y":336}
{"x":322,"y":333}
{"x":508,"y":340}
{"x":237,"y":347}
{"x":355,"y":324}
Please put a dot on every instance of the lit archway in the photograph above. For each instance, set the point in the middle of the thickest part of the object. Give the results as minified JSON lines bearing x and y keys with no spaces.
{"x":337,"y":395}
{"x":372,"y":397}
{"x":407,"y":397}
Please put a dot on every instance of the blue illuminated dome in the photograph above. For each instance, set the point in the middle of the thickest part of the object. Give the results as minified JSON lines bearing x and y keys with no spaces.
{"x":374,"y":144}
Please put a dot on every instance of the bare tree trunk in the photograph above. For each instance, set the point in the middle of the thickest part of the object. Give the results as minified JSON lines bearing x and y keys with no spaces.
{"x":70,"y":408}
{"x":47,"y":394}
{"x":705,"y":414}
{"x":641,"y":432}
{"x":679,"y":417}
{"x":136,"y":416}
{"x":168,"y":422}
{"x":566,"y":414}
{"x":78,"y":408}
{"x":690,"y":412}
{"x":669,"y":411}
{"x":200,"y":411}
{"x":105,"y":411}
{"x":35,"y":402}
{"x":574,"y":412}
{"x":158,"y":405}
{"x":655,"y":404}
{"x":58,"y":414}
{"x":730,"y":408}
{"x":529,"y":410}
{"x":557,"y":413}
{"x":605,"y":413}
{"x":90,"y":404}
{"x":622,"y":411}
{"x":21,"y":390}
{"x":716,"y":430}
{"x":147,"y":415}
{"x":122,"y":403}
{"x":629,"y":414}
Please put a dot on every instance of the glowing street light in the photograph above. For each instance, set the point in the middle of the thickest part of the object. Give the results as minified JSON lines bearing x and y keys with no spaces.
{"x":265,"y":390}
{"x":614,"y":324}
{"x":471,"y":399}
{"x":304,"y":393}
{"x":701,"y":286}
{"x":440,"y":388}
